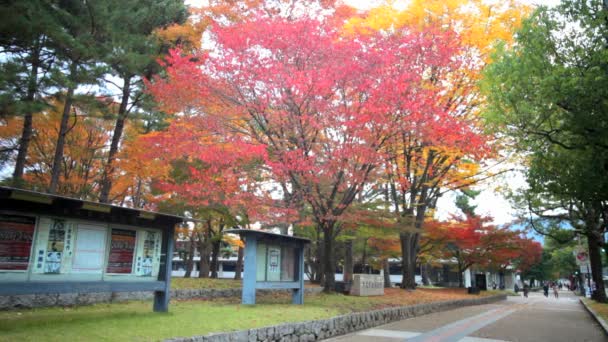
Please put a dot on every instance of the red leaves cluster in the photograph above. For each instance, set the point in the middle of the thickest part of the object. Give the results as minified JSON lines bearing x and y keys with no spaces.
{"x":473,"y":241}
{"x":320,"y":105}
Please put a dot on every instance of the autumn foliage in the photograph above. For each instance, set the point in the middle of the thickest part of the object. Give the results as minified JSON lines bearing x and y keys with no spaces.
{"x":288,"y":111}
{"x":473,"y":241}
{"x":318,"y":106}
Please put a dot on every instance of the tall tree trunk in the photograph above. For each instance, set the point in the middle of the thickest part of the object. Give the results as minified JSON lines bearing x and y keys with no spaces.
{"x":108,"y":171}
{"x":317,"y":264}
{"x":364,"y":256}
{"x":190,"y":261}
{"x":239,"y":264}
{"x":204,"y":251}
{"x":347,"y":274}
{"x":63,"y":130}
{"x":137,"y":201}
{"x":328,"y":253}
{"x":424,"y":272}
{"x":409,"y":245}
{"x":26,"y":133}
{"x":387,"y":273}
{"x":460,"y":277}
{"x":215,"y":254}
{"x":595,"y":259}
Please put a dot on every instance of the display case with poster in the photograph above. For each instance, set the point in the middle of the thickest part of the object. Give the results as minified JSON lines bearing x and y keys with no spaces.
{"x":16,"y":236}
{"x":55,"y":247}
{"x":122,"y":251}
{"x":272,"y":261}
{"x":52,"y":245}
{"x":148,"y":253}
{"x":275,"y":263}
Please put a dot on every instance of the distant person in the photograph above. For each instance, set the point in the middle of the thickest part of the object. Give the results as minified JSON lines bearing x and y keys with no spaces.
{"x":493,"y":286}
{"x":526,"y":290}
{"x":555,"y":291}
{"x":516,"y":288}
{"x":546,"y":290}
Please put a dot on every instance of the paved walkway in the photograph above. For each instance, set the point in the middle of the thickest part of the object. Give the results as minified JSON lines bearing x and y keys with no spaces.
{"x":535,"y":318}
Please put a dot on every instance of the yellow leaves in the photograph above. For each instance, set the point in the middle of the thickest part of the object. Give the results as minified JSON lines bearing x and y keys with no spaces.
{"x":479,"y":23}
{"x":188,"y":35}
{"x":380,"y":18}
{"x":233,"y":241}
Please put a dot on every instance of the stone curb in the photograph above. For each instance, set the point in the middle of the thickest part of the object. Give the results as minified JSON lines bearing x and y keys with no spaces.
{"x":596,"y":316}
{"x":71,"y":299}
{"x":335,"y":326}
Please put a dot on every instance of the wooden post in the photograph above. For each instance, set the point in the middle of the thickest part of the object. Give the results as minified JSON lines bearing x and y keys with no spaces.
{"x":249,"y":276}
{"x":298,"y":294}
{"x":161,"y":298}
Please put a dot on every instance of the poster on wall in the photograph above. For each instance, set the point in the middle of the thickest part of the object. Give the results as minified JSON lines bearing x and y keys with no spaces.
{"x":148,"y":255}
{"x":55,"y":247}
{"x":273,"y":264}
{"x":122,"y":249}
{"x":16,"y":235}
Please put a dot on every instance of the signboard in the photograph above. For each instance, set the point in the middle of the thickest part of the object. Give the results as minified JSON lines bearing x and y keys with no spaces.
{"x":90,"y":249}
{"x":148,"y":254}
{"x":122,"y":250}
{"x":367,"y":285}
{"x":55,"y":246}
{"x":582,"y":256}
{"x":273,"y":272}
{"x":16,"y":235}
{"x":275,"y":263}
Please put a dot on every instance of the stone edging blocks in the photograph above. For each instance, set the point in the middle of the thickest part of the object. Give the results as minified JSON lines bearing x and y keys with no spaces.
{"x":71,"y":299}
{"x":596,"y":316}
{"x":336,"y":326}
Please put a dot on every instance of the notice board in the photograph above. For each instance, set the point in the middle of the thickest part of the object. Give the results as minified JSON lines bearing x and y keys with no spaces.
{"x":122,"y":251}
{"x":16,"y":235}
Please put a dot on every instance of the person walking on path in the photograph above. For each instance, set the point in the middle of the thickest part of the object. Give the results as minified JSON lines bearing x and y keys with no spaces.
{"x":546,"y":290}
{"x":526,"y":289}
{"x":555,"y":291}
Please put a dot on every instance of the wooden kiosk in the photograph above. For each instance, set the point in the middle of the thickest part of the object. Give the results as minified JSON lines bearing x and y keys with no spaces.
{"x":272,"y":261}
{"x":52,"y":244}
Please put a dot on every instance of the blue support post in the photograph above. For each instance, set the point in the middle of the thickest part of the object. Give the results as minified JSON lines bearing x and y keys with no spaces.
{"x":161,"y":298}
{"x":298,"y":294}
{"x":249,"y":274}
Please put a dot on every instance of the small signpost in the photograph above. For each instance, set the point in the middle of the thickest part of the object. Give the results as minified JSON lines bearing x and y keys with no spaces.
{"x":272,"y":261}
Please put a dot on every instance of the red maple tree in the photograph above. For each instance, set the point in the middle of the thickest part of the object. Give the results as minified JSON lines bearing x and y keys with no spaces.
{"x":320,"y":105}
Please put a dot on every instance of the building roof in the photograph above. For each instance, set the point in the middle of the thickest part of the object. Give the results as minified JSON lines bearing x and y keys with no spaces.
{"x":12,"y":199}
{"x":266,"y":235}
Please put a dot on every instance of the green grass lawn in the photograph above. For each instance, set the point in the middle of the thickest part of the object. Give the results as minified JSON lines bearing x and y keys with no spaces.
{"x":600,"y":308}
{"x":135,"y":321}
